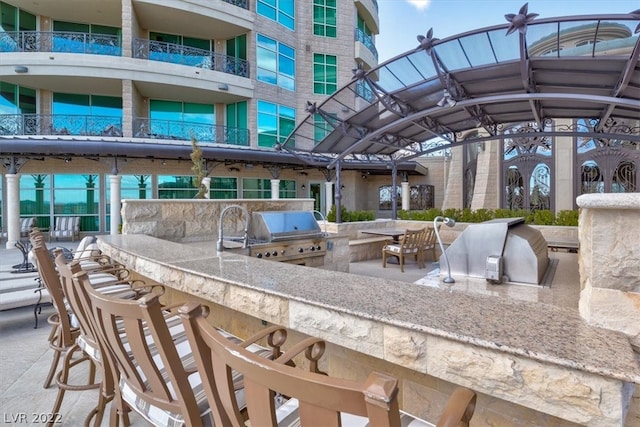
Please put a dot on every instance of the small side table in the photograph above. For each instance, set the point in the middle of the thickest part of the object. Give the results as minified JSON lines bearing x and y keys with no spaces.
{"x":24,"y":246}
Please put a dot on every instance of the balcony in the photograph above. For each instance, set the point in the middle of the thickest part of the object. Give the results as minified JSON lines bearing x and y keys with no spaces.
{"x":60,"y":41}
{"x":370,"y":53}
{"x":104,"y":44}
{"x":170,"y":129}
{"x":59,"y":124}
{"x":62,"y":124}
{"x":189,"y":56}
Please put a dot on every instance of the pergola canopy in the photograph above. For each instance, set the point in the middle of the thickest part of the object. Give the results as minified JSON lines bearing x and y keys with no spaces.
{"x":526,"y":71}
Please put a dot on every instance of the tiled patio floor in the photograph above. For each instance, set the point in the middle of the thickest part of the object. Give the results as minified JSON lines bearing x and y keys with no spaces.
{"x":25,"y":357}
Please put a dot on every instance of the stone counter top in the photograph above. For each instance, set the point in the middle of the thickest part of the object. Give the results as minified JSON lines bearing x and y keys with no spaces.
{"x":523,"y":332}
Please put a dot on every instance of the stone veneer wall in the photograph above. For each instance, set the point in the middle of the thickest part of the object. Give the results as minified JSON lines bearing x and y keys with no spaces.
{"x":610,"y":267}
{"x":194,"y":220}
{"x":516,"y":390}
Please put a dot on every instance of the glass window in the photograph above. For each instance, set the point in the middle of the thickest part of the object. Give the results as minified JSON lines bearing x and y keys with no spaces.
{"x":224,"y":188}
{"x":325,"y":18}
{"x":77,"y":114}
{"x":320,"y":128}
{"x":325,"y":74}
{"x":281,"y":11}
{"x":256,"y":188}
{"x":176,"y":187}
{"x":77,"y":195}
{"x":35,"y":198}
{"x":287,"y":189}
{"x":181,"y":120}
{"x":16,"y":100}
{"x":275,"y":123}
{"x":236,"y":131}
{"x":276,"y":62}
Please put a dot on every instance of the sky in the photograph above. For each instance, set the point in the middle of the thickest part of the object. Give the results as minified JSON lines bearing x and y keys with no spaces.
{"x":401,"y":21}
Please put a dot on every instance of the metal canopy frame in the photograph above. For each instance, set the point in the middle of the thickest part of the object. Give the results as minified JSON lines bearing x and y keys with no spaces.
{"x":583,"y":68}
{"x":486,"y":79}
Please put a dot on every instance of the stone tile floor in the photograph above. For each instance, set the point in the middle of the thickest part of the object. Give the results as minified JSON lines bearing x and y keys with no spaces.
{"x":25,"y":356}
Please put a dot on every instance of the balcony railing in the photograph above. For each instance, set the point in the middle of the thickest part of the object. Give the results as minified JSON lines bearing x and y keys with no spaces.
{"x":170,"y":129}
{"x":240,"y":3}
{"x":366,"y":40}
{"x":62,"y":124}
{"x":59,"y":124}
{"x":191,"y":56}
{"x":60,"y":41}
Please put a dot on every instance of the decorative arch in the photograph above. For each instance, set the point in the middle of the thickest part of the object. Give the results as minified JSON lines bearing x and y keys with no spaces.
{"x":607,"y":165}
{"x":527,"y":169}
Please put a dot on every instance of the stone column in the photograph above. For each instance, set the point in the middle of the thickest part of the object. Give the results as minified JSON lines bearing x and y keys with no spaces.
{"x":406,"y":197}
{"x":609,"y":235}
{"x":206,"y":181}
{"x":328,"y":196}
{"x":275,"y":189}
{"x":13,"y":209}
{"x":115,"y":202}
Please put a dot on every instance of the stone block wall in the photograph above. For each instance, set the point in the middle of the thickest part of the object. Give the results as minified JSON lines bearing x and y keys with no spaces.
{"x":609,"y":262}
{"x":195,"y":220}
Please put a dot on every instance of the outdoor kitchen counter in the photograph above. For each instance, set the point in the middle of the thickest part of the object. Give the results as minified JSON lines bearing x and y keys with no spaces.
{"x":518,"y":351}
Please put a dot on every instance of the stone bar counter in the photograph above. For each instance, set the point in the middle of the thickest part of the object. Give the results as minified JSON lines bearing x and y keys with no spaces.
{"x":530,"y":360}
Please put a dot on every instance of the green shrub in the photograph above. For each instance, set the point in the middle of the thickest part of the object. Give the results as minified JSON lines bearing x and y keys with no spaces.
{"x":540,"y":217}
{"x":482,"y":215}
{"x":350,"y":216}
{"x":567,"y":218}
{"x":543,"y":217}
{"x":453,"y":214}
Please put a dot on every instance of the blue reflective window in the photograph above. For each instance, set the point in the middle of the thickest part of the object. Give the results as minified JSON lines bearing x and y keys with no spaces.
{"x":281,"y":11}
{"x":275,"y":123}
{"x":275,"y":62}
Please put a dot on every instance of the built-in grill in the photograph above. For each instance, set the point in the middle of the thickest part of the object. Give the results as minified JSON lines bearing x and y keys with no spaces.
{"x":287,"y":236}
{"x":501,"y":249}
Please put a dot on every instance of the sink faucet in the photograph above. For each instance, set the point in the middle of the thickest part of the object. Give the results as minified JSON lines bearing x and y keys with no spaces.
{"x":323,"y":218}
{"x":245,"y":238}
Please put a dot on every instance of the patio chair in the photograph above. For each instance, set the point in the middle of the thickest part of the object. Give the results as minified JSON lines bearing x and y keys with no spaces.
{"x":66,"y":227}
{"x":313,"y":399}
{"x":26,"y":224}
{"x":430,"y":242}
{"x":65,"y":328}
{"x":410,"y":244}
{"x":157,"y":377}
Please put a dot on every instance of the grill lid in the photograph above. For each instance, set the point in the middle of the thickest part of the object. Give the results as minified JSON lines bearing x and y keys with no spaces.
{"x":272,"y":226}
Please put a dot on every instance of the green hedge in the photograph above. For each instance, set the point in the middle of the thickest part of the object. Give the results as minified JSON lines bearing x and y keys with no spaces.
{"x":350,"y":216}
{"x":539,"y":217}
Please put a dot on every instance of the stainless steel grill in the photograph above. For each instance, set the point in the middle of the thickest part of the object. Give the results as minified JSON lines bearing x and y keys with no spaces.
{"x":287,"y":236}
{"x":500,"y":249}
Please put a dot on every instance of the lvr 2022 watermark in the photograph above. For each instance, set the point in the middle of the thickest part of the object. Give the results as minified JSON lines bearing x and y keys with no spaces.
{"x":30,"y":418}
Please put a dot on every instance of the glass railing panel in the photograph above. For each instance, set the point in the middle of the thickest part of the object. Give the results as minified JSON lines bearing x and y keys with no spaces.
{"x":177,"y":130}
{"x":366,"y":40}
{"x":60,"y":124}
{"x":189,"y":56}
{"x":57,"y":41}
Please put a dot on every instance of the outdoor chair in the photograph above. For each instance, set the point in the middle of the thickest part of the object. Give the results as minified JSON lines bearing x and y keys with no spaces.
{"x":410,"y":244}
{"x":64,"y":322}
{"x":66,"y":227}
{"x":312,"y":399}
{"x":430,"y":242}
{"x":149,"y":349}
{"x":26,"y":224}
{"x":87,"y":340}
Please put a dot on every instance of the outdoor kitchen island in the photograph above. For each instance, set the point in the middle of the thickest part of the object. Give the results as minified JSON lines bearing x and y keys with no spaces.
{"x":531,"y":363}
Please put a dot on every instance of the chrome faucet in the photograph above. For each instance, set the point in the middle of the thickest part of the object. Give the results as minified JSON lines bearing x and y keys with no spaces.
{"x":324,"y":218}
{"x":245,"y":238}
